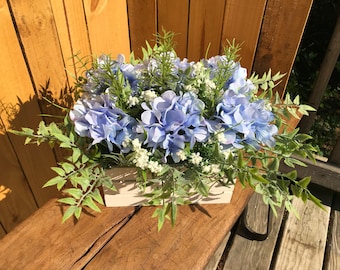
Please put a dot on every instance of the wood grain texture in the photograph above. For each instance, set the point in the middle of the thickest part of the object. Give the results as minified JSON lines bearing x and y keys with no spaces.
{"x":61,"y":25}
{"x":259,"y":253}
{"x":281,"y":32}
{"x":173,"y":16}
{"x":52,"y":245}
{"x":205,"y":27}
{"x":107,"y":24}
{"x":142,"y":24}
{"x":333,"y":245}
{"x":2,"y":231}
{"x":322,"y":173}
{"x":192,"y":242}
{"x":37,"y":30}
{"x":242,"y":22}
{"x":70,"y":22}
{"x":304,"y":238}
{"x":17,"y":93}
{"x":20,"y":203}
{"x":215,"y":259}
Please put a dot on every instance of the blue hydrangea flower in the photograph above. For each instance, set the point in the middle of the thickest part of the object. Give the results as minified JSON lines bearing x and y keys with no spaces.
{"x":173,"y":120}
{"x":100,"y":120}
{"x":244,"y":122}
{"x":238,"y":81}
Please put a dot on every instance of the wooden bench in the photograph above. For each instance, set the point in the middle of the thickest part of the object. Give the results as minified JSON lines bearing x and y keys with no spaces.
{"x":311,"y":242}
{"x":204,"y":238}
{"x":123,"y":238}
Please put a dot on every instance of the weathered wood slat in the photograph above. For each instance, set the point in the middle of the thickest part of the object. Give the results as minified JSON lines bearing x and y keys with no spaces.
{"x":333,"y":247}
{"x":303,"y":241}
{"x":71,"y":27}
{"x":63,"y":32}
{"x":142,"y":24}
{"x":242,"y":22}
{"x":259,"y":253}
{"x":20,"y":203}
{"x":177,"y":24}
{"x":282,"y":29}
{"x":42,"y":242}
{"x":16,"y":83}
{"x":192,"y":242}
{"x":335,"y":154}
{"x":107,"y":24}
{"x":205,"y":27}
{"x":39,"y":37}
{"x":322,"y":173}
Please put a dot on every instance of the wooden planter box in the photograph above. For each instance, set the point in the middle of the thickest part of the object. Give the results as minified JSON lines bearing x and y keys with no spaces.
{"x":128,"y":193}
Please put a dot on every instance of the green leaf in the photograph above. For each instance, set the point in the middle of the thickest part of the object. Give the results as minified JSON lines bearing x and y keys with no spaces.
{"x":274,"y":165}
{"x":42,"y":130}
{"x":298,"y":162}
{"x":260,"y":178}
{"x":75,"y":154}
{"x":316,"y":201}
{"x":69,"y":213}
{"x":203,"y":188}
{"x":58,"y":170}
{"x":28,"y":140}
{"x":291,"y":175}
{"x":95,"y":194}
{"x":173,"y":211}
{"x":53,"y":181}
{"x":65,"y":145}
{"x":54,"y":129}
{"x":68,"y":167}
{"x":77,"y":212}
{"x":304,"y":182}
{"x":161,"y":218}
{"x":75,"y":192}
{"x":62,"y":138}
{"x":84,"y":159}
{"x":61,"y":184}
{"x":240,"y":160}
{"x":90,"y":203}
{"x":68,"y":200}
{"x":297,"y":191}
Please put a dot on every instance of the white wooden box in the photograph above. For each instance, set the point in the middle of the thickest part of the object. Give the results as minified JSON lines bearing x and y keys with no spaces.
{"x":128,"y":194}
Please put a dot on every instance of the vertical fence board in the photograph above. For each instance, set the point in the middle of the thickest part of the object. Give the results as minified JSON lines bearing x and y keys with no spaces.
{"x":62,"y":31}
{"x":283,"y":25}
{"x":19,"y":203}
{"x":142,"y":24}
{"x":36,"y":162}
{"x":242,"y":22}
{"x":108,"y":27}
{"x":37,"y":29}
{"x":79,"y":38}
{"x":205,"y":27}
{"x":173,"y":16}
{"x":14,"y":80}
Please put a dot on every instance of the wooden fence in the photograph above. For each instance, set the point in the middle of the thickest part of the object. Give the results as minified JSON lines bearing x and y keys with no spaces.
{"x":39,"y":37}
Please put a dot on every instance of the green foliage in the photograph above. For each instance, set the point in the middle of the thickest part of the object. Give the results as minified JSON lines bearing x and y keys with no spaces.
{"x":83,"y":172}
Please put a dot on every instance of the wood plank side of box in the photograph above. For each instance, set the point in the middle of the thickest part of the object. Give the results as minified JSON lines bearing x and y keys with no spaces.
{"x":128,"y":193}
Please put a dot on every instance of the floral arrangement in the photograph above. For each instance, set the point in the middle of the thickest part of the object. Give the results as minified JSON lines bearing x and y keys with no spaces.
{"x":184,"y":126}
